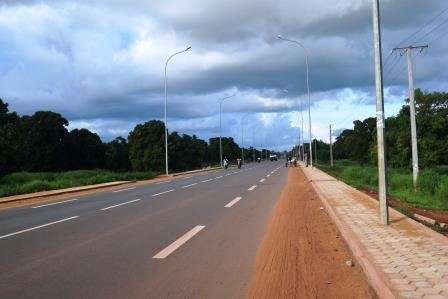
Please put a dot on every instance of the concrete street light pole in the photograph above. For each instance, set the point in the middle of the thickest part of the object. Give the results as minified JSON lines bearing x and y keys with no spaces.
{"x":166,"y":122}
{"x":308,"y":89}
{"x":220,"y":128}
{"x":331,"y":148}
{"x":380,"y":122}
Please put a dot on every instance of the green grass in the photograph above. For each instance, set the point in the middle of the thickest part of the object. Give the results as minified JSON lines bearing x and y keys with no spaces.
{"x":28,"y":182}
{"x":431,"y":191}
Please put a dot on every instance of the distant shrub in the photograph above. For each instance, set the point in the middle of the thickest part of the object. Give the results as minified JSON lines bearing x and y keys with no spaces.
{"x":428,"y":181}
{"x":27,"y":182}
{"x":400,"y":181}
{"x":442,"y":189}
{"x":441,"y":169}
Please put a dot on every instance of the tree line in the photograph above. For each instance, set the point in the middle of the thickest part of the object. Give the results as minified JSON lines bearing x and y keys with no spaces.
{"x":41,"y":142}
{"x":360,"y":143}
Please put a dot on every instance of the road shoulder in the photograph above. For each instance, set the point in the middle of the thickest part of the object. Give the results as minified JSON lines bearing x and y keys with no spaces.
{"x":302,"y":255}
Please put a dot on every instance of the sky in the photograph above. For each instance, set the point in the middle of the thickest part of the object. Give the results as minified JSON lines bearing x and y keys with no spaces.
{"x":101,"y":63}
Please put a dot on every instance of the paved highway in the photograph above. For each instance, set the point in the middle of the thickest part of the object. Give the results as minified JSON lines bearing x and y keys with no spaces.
{"x":193,"y":237}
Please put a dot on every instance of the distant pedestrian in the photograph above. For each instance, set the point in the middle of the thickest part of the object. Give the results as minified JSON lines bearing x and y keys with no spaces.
{"x":225,"y":162}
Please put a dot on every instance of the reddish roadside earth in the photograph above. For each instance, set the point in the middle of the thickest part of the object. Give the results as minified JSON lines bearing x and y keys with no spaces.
{"x":302,"y":254}
{"x":439,"y":216}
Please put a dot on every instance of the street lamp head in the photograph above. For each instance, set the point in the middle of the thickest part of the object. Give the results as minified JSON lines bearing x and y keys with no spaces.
{"x":187,"y":49}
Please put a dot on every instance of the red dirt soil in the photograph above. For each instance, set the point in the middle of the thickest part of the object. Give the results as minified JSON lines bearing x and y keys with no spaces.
{"x":439,"y":216}
{"x":302,"y":255}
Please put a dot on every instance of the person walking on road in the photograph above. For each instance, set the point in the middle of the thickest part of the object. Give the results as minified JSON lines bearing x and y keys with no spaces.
{"x":225,"y":162}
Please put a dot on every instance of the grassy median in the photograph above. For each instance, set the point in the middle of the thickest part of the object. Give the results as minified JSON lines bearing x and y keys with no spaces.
{"x":431,"y":192}
{"x":28,"y":182}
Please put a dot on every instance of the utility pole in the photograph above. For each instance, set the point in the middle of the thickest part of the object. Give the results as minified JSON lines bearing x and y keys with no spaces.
{"x":331,"y":149}
{"x":408,"y":50}
{"x":315,"y":150}
{"x":380,"y":124}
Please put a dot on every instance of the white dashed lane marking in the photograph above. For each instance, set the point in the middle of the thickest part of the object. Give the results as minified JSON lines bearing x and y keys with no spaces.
{"x":121,"y":204}
{"x":179,"y":242}
{"x":252,"y":188}
{"x":189,"y":185}
{"x":164,"y":182}
{"x":121,"y":190}
{"x":234,"y":201}
{"x":37,"y":227}
{"x":55,"y":203}
{"x":163,"y":192}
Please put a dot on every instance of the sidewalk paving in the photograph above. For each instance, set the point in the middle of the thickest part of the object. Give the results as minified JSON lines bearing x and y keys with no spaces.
{"x":402,"y":260}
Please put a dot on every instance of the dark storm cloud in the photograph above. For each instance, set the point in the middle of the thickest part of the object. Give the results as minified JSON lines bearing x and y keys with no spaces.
{"x":93,"y":60}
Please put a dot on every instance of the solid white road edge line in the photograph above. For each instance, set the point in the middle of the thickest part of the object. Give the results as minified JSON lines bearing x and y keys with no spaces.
{"x":234,"y":201}
{"x":179,"y":242}
{"x":37,"y":227}
{"x":116,"y":191}
{"x":163,"y":192}
{"x":164,"y":182}
{"x":189,"y":185}
{"x":55,"y":203}
{"x":120,"y":204}
{"x":262,"y":180}
{"x":252,"y":188}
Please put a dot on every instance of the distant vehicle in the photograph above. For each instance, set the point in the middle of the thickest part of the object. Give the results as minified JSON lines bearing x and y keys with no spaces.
{"x":273,"y":157}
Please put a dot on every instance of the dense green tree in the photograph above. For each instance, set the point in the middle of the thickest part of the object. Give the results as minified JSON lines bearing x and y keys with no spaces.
{"x":230,"y":149}
{"x":147,"y":146}
{"x":354,"y":144}
{"x":86,"y":151}
{"x":117,"y":155}
{"x":45,"y":137}
{"x":199,"y":152}
{"x":432,"y":127}
{"x":11,"y":146}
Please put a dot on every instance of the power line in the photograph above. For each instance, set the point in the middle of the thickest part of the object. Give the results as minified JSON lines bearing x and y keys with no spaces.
{"x":434,"y":29}
{"x":389,"y":71}
{"x":438,"y":37}
{"x":401,"y":71}
{"x":424,"y":26}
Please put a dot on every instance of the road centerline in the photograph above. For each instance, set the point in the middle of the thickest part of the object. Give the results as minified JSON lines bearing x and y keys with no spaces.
{"x":262,"y":180}
{"x":205,"y":181}
{"x":179,"y":242}
{"x":234,"y":201}
{"x":252,"y":188}
{"x":37,"y":227}
{"x":120,"y":204}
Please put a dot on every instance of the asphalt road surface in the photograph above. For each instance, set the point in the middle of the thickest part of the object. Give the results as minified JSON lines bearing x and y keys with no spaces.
{"x":193,"y":237}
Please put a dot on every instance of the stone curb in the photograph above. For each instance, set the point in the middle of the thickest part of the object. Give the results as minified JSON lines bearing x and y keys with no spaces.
{"x":380,"y":286}
{"x":195,"y":171}
{"x":15,"y":198}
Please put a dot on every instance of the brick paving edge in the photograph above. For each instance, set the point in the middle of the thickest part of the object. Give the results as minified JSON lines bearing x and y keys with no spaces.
{"x":381,"y":287}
